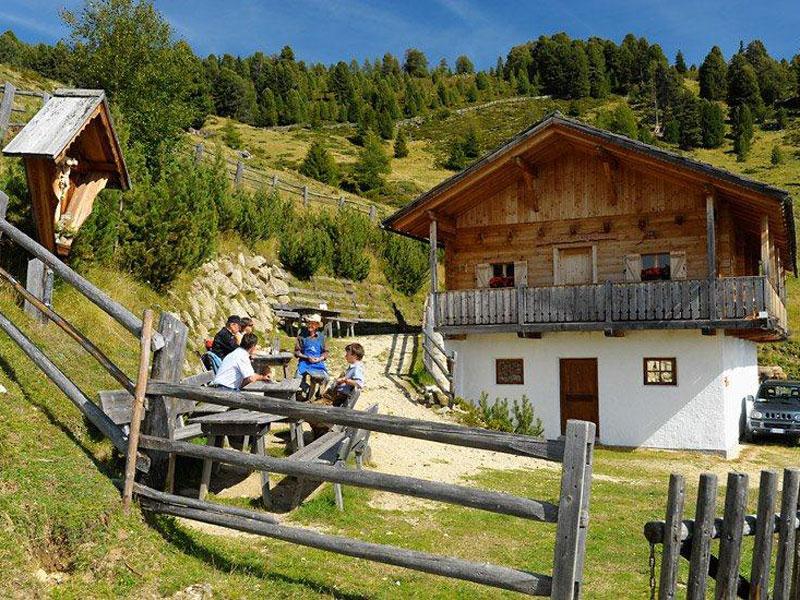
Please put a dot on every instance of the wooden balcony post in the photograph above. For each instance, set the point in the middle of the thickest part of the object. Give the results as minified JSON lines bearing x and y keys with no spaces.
{"x":434,"y":261}
{"x":711,"y":254}
{"x":766,"y":266}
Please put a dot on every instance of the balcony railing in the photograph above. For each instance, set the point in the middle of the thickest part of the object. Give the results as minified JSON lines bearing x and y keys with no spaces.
{"x":608,"y":305}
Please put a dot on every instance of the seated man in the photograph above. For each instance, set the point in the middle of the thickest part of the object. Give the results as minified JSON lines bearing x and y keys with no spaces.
{"x":225,"y":341}
{"x":351,"y":379}
{"x":236,"y":371}
{"x":311,"y":352}
{"x":246,"y":325}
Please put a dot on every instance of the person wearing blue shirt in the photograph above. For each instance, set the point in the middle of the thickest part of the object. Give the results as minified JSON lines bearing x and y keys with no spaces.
{"x":311,"y":352}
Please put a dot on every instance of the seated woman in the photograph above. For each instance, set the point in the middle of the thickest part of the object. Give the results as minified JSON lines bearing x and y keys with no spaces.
{"x":311,"y":352}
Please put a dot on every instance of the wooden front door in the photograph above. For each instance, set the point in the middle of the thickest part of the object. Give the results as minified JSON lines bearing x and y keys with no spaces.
{"x":574,"y":266}
{"x":579,"y":398}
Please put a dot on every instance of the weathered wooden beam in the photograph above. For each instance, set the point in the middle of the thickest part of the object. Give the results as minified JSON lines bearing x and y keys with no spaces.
{"x":497,"y":502}
{"x":766,"y":261}
{"x":433,"y":258}
{"x":39,"y":282}
{"x":445,"y":433}
{"x":532,"y":584}
{"x":159,"y":419}
{"x":610,"y":169}
{"x":762,"y":548}
{"x":118,"y":312}
{"x":670,"y":556}
{"x":138,"y":407}
{"x":711,"y":241}
{"x":92,"y":412}
{"x":70,"y":330}
{"x":5,"y":108}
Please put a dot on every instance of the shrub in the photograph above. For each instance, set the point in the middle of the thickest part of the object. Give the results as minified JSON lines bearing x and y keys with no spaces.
{"x":169,"y":226}
{"x":319,"y":164}
{"x":372,"y":164}
{"x":620,"y":119}
{"x":405,"y":263}
{"x":231,"y":135}
{"x":96,"y":240}
{"x":303,"y":251}
{"x":352,"y":232}
{"x":777,"y":155}
{"x":400,"y":145}
{"x":520,"y":419}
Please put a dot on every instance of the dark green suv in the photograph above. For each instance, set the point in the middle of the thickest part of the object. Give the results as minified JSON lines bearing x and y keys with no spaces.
{"x":774,"y":411}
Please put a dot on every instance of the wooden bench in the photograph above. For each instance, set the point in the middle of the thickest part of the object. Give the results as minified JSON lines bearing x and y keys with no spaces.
{"x":332,"y":448}
{"x":296,"y":429}
{"x":117,"y":405}
{"x":348,"y":324}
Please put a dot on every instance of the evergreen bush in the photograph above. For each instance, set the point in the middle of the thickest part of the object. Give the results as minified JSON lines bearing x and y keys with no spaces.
{"x":319,"y":164}
{"x":303,"y":251}
{"x":405,"y":263}
{"x":400,"y":144}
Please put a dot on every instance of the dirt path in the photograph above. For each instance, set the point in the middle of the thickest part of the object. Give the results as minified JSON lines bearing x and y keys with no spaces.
{"x":388,"y":361}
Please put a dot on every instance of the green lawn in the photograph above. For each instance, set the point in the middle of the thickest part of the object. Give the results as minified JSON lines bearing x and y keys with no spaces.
{"x":61,"y":512}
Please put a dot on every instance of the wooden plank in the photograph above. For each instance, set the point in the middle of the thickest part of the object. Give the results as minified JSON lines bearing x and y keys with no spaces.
{"x":121,"y":314}
{"x":39,"y":282}
{"x":5,"y":108}
{"x":266,"y":497}
{"x":786,"y":534}
{"x":765,"y":524}
{"x":92,"y":412}
{"x":711,"y":242}
{"x":137,"y":409}
{"x":730,"y":545}
{"x":428,"y":430}
{"x":573,"y":512}
{"x":161,"y":414}
{"x":487,"y":574}
{"x":701,"y":540}
{"x":303,"y":465}
{"x":205,"y":477}
{"x":668,"y":580}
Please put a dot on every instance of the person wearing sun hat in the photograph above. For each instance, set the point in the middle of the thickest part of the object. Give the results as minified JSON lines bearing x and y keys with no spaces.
{"x":311,"y":352}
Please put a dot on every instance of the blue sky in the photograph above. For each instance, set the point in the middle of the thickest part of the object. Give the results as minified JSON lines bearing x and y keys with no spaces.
{"x":329,"y":30}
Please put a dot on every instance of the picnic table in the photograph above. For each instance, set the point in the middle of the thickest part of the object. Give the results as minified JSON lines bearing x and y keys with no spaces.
{"x":292,"y":313}
{"x":252,"y":425}
{"x":262,"y":362}
{"x":284,"y":389}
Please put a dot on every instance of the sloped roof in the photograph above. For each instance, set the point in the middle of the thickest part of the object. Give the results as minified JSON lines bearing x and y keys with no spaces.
{"x":59,"y":122}
{"x":556,"y":119}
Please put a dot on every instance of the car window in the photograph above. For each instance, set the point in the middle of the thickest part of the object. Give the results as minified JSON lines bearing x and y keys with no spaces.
{"x":780,"y":391}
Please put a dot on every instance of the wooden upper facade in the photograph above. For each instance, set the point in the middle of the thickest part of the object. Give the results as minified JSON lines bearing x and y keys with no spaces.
{"x":565,"y":204}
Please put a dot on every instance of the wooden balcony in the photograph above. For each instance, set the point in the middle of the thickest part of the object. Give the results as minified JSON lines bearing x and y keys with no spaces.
{"x":750,"y":305}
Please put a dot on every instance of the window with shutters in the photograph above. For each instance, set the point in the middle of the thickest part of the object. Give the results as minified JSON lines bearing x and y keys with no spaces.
{"x":660,"y":371}
{"x":655,"y":266}
{"x":502,"y":275}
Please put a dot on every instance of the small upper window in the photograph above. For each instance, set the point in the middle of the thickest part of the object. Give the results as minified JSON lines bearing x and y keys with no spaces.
{"x":655,"y":266}
{"x":660,"y":371}
{"x":502,"y":275}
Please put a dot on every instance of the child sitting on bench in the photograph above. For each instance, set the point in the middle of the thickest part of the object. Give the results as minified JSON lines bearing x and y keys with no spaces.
{"x":338,"y":393}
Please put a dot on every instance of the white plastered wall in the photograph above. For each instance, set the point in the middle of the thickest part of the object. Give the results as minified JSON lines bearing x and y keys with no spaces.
{"x":700,"y":413}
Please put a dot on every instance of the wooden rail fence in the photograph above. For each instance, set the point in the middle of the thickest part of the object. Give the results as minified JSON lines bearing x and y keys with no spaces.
{"x":7,"y":108}
{"x":244,"y":176}
{"x":692,"y":540}
{"x":155,"y":464}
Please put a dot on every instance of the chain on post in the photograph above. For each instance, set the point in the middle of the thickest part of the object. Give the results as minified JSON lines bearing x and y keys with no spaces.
{"x":652,"y":565}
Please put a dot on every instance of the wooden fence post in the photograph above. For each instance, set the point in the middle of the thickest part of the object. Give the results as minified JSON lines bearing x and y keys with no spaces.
{"x":39,"y":282}
{"x":765,"y":528}
{"x":137,"y":409}
{"x":671,"y":554}
{"x":305,"y":195}
{"x":274,"y":182}
{"x":198,"y":152}
{"x":341,"y":201}
{"x":730,"y":539}
{"x":237,"y":180}
{"x":786,"y":535}
{"x":45,"y":98}
{"x":701,"y":538}
{"x":5,"y":108}
{"x":159,"y":420}
{"x":573,"y":511}
{"x":373,"y":212}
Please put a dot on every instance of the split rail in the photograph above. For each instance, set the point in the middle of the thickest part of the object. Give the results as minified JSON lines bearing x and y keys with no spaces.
{"x":155,"y":449}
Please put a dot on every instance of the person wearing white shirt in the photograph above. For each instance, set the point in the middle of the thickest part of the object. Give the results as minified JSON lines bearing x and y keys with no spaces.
{"x":236,"y":370}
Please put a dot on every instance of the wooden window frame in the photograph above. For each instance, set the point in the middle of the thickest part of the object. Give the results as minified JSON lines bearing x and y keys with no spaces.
{"x":671,"y":359}
{"x":506,"y":266}
{"x":497,"y":362}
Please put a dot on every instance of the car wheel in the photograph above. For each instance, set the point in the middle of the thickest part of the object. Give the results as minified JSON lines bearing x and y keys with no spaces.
{"x":749,"y":436}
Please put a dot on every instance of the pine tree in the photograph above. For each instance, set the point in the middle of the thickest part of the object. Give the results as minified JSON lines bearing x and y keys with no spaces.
{"x":416,"y":63}
{"x":690,"y":121}
{"x":471,"y":144}
{"x":742,"y":131}
{"x":598,"y":78}
{"x":464,"y":65}
{"x":385,"y":125}
{"x":713,"y":76}
{"x":231,"y":135}
{"x":743,"y":85}
{"x":319,"y":164}
{"x":267,"y":112}
{"x":400,"y":144}
{"x":781,"y":118}
{"x":680,"y":63}
{"x":712,"y":124}
{"x":372,"y":164}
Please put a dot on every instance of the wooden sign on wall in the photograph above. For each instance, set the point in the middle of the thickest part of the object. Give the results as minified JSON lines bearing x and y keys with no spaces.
{"x":509,"y":371}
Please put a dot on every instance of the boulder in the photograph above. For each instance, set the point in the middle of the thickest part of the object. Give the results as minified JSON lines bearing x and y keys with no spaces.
{"x":771,"y":372}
